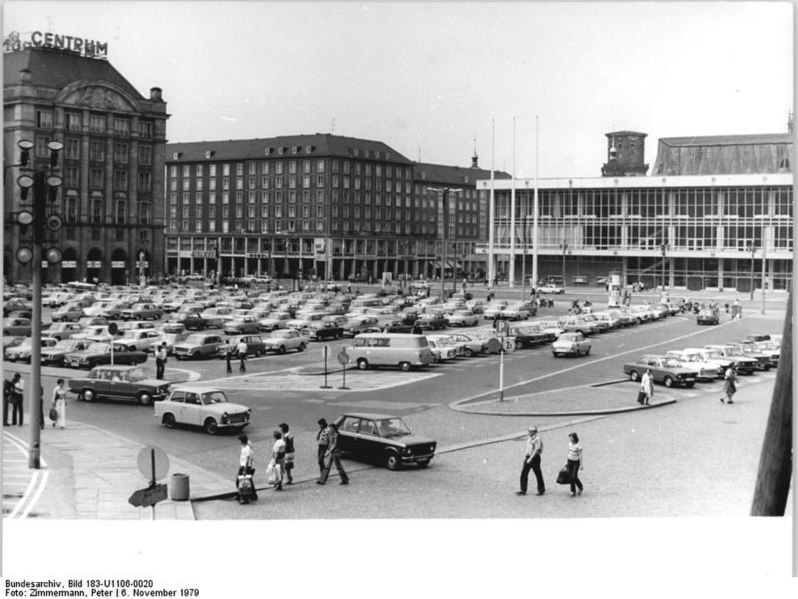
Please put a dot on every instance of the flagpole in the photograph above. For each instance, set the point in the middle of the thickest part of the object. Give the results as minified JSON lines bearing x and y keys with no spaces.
{"x":511,"y":264}
{"x":536,"y":210}
{"x":492,"y":208}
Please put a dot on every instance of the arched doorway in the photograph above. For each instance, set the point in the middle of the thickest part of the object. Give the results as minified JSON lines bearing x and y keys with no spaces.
{"x":94,"y":264}
{"x":69,"y":265}
{"x":118,"y":267}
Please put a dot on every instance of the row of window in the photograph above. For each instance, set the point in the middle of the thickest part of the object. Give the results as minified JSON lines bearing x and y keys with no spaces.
{"x":97,"y":150}
{"x":96,"y":234}
{"x":643,"y":203}
{"x":97,"y":211}
{"x":292,"y":182}
{"x":120,"y":181}
{"x":278,"y":167}
{"x":98,"y":123}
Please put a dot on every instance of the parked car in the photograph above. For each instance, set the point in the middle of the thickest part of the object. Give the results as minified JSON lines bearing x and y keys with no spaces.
{"x":216,"y":317}
{"x":140,"y":339}
{"x":578,"y":324}
{"x":442,"y":350}
{"x":170,"y":339}
{"x":767,"y":347}
{"x":704,"y":371}
{"x":282,"y":340}
{"x":203,"y":407}
{"x":360,"y":324}
{"x":531,"y":334}
{"x":56,"y":354}
{"x":383,"y":439}
{"x":551,"y":288}
{"x":71,"y":312}
{"x":711,"y":357}
{"x":241,"y":325}
{"x":571,"y":344}
{"x":494,"y":309}
{"x":665,"y":370}
{"x":463,"y":318}
{"x":92,"y":321}
{"x":431,"y":322}
{"x":16,"y":327}
{"x":321,"y":330}
{"x":471,"y":344}
{"x":274,"y":321}
{"x":198,"y":345}
{"x":99,"y":353}
{"x":191,"y":318}
{"x":142,"y":311}
{"x":255,"y":345}
{"x":763,"y":360}
{"x":518,"y":311}
{"x":22,"y":352}
{"x":128,"y":383}
{"x":742,"y":363}
{"x":63,"y":330}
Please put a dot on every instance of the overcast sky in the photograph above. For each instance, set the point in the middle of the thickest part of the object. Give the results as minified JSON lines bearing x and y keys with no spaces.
{"x":427,"y":78}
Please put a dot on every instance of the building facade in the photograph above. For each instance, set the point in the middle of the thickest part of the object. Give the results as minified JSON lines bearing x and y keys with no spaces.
{"x":111,"y":164}
{"x":714,"y":230}
{"x":306,"y":205}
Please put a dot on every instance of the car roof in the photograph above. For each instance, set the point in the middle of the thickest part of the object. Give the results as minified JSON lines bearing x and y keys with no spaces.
{"x":196,"y":388}
{"x":117,"y":367}
{"x":369,"y":415}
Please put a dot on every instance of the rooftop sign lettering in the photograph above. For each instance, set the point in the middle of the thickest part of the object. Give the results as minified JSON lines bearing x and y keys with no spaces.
{"x":36,"y":39}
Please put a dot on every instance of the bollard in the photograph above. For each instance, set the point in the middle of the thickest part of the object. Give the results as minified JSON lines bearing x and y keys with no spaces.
{"x":179,"y":487}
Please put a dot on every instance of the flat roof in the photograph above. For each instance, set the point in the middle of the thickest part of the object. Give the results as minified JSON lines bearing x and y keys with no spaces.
{"x":768,"y":179}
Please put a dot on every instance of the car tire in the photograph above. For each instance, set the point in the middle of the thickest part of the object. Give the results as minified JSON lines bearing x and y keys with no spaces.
{"x":145,"y":399}
{"x":469,"y":352}
{"x":88,"y":395}
{"x":423,"y":463}
{"x":362,"y":364}
{"x":555,"y":354}
{"x":301,"y":347}
{"x":211,"y":426}
{"x":667,"y":381}
{"x":405,"y":366}
{"x":169,"y":420}
{"x":634,"y":375}
{"x":587,"y":351}
{"x":281,"y":349}
{"x":392,"y":461}
{"x":195,"y":355}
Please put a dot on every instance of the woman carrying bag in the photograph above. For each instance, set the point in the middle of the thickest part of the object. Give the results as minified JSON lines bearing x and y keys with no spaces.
{"x":574,"y":463}
{"x":59,"y":404}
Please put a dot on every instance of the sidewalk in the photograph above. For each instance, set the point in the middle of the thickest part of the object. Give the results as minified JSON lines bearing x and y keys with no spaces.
{"x":88,"y":473}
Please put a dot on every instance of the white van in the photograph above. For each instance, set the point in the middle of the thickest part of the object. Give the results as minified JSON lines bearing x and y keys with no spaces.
{"x":390,"y":349}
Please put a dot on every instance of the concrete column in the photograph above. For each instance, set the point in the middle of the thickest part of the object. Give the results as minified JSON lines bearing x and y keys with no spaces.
{"x":720,"y":274}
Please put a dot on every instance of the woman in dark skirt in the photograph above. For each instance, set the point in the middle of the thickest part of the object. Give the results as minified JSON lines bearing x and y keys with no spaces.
{"x":729,"y":385}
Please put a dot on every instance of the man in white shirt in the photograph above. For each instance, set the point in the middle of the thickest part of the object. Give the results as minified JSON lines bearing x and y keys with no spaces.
{"x":160,"y":360}
{"x":532,"y":453}
{"x":241,"y":348}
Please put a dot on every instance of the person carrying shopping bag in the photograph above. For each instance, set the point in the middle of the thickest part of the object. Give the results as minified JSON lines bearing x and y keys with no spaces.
{"x":574,"y":464}
{"x":59,"y":403}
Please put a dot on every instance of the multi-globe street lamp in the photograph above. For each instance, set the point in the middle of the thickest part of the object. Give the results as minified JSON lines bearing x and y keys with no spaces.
{"x":752,"y":248}
{"x":664,"y":248}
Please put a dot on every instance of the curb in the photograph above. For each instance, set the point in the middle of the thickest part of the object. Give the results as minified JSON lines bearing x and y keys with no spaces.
{"x":602,"y":412}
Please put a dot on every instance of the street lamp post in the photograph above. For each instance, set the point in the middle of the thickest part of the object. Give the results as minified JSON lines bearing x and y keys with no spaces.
{"x":44,"y":184}
{"x":752,"y":248}
{"x":664,"y":248}
{"x":523,"y":261}
{"x":564,"y":247}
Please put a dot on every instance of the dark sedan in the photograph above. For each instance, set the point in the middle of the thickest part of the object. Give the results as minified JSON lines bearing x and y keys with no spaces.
{"x":382,"y":439}
{"x":527,"y":336}
{"x":664,"y":369}
{"x":100,"y":353}
{"x":57,"y":354}
{"x":121,"y":383}
{"x":191,"y":320}
{"x":432,"y":322}
{"x":321,"y":330}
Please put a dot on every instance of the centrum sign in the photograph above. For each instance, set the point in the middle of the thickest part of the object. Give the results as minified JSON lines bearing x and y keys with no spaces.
{"x":37,"y":39}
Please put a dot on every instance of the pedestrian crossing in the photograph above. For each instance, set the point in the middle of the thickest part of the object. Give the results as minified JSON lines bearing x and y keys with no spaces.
{"x":294,"y":380}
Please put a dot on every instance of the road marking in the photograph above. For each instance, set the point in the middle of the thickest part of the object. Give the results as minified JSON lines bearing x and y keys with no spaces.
{"x":29,"y":498}
{"x":356,"y":381}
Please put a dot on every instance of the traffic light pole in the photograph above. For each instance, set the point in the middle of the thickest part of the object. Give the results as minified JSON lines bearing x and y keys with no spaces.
{"x":36,"y":394}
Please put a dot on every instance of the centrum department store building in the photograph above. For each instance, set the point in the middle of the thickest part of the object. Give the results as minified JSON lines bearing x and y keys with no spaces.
{"x":712,"y":207}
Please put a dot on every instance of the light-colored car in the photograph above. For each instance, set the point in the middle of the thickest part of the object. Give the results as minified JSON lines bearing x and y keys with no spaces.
{"x":441,"y":350}
{"x":128,"y":383}
{"x":551,"y":288}
{"x":203,"y":407}
{"x":494,"y":308}
{"x":518,"y":311}
{"x":71,"y":311}
{"x":64,"y":330}
{"x":56,"y":354}
{"x":469,"y":344}
{"x":142,"y":311}
{"x":274,"y":321}
{"x":704,"y":371}
{"x":241,"y":325}
{"x":22,"y":352}
{"x":282,"y":340}
{"x":571,"y":344}
{"x":198,"y":345}
{"x":463,"y":318}
{"x":170,"y":339}
{"x":218,"y":316}
{"x":712,"y":357}
{"x":141,"y":339}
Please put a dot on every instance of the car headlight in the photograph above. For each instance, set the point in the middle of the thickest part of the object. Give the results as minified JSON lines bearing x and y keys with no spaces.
{"x":408,"y":451}
{"x":225,"y":418}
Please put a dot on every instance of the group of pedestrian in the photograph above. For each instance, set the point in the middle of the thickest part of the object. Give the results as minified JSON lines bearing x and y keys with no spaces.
{"x":532,"y":460}
{"x":279,"y":470}
{"x":239,"y":351}
{"x":13,"y":394}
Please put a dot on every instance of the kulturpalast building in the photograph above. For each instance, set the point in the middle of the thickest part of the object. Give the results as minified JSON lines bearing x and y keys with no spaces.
{"x":714,"y":210}
{"x":112,"y":162}
{"x":318,"y":204}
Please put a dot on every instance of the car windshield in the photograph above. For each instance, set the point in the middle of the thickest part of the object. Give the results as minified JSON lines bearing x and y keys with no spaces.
{"x":734,"y":351}
{"x":393,"y":427}
{"x":714,"y":355}
{"x":66,"y":344}
{"x":195,"y":339}
{"x":213,"y":397}
{"x":671,"y":363}
{"x":99,"y":348}
{"x":135,"y":374}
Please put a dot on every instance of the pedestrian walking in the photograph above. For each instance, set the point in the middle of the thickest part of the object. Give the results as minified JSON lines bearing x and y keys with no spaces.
{"x":242,"y":355}
{"x":534,"y":449}
{"x":729,"y":385}
{"x":277,"y":464}
{"x":59,"y":403}
{"x":322,"y":440}
{"x":288,"y":437}
{"x":17,"y":393}
{"x":334,"y":455}
{"x":646,"y":388}
{"x":160,"y":360}
{"x":228,"y":354}
{"x":574,"y":464}
{"x":245,"y":482}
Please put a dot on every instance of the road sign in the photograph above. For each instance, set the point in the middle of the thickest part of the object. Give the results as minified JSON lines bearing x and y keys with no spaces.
{"x":113,"y":328}
{"x":325,"y":351}
{"x":502,"y":327}
{"x":508,"y":343}
{"x":153,"y":463}
{"x":149,"y":496}
{"x":343,"y":357}
{"x":494,"y":345}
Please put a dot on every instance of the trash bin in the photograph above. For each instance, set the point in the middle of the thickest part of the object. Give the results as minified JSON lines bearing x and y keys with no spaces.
{"x":179,"y":487}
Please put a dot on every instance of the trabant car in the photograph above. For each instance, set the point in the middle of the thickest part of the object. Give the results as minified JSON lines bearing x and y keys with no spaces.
{"x":383,"y":439}
{"x":551,"y":288}
{"x":119,"y":382}
{"x":203,"y":407}
{"x":665,"y":370}
{"x":570,"y":344}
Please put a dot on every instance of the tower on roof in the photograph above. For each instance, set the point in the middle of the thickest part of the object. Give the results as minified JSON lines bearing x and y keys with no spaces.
{"x":475,"y":158}
{"x":625,"y":154}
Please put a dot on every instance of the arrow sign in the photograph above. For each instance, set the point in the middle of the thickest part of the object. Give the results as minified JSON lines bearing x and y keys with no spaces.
{"x":149,"y":496}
